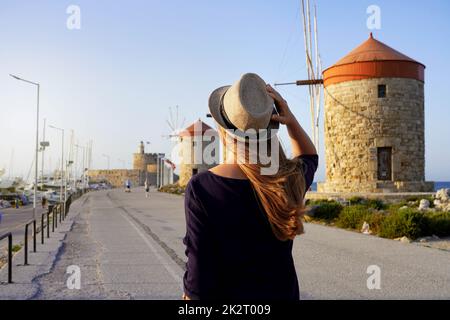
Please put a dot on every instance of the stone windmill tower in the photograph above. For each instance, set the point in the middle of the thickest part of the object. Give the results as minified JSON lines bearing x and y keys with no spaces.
{"x":374,"y":122}
{"x":197,"y":141}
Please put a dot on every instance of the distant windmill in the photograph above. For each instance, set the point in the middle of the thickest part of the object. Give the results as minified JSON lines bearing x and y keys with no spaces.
{"x":175,"y":123}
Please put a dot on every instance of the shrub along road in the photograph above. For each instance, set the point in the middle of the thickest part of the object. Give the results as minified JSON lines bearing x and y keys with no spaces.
{"x":130,"y":247}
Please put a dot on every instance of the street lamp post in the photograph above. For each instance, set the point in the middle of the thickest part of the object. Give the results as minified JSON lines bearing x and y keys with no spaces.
{"x":44,"y":144}
{"x":38,"y":86}
{"x":62,"y":193}
{"x":84,"y":166}
{"x":67,"y":172}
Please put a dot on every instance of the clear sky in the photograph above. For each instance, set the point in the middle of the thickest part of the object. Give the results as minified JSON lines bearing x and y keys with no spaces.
{"x":114,"y":80}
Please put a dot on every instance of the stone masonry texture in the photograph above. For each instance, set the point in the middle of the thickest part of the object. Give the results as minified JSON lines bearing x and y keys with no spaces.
{"x":357,"y":122}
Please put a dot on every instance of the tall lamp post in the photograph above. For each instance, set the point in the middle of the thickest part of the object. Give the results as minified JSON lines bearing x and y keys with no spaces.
{"x":38,"y":86}
{"x":68,"y":164}
{"x":62,"y":193}
{"x":44,"y":144}
{"x":84,"y":166}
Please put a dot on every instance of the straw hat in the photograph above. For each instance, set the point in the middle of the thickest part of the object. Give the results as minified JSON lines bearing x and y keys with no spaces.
{"x":244,"y":107}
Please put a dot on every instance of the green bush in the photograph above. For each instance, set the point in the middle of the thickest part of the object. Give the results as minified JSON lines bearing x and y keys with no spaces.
{"x":355,"y":200}
{"x":370,"y":203}
{"x":438,"y":223}
{"x":376,"y":204}
{"x":394,"y":207}
{"x":172,"y":188}
{"x":375,"y":219}
{"x":407,"y":222}
{"x":327,"y":210}
{"x":412,"y":198}
{"x":319,"y":202}
{"x":353,"y":217}
{"x":416,"y":200}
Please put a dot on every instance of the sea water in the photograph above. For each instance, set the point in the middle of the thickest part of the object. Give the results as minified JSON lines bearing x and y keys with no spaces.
{"x":437,"y":185}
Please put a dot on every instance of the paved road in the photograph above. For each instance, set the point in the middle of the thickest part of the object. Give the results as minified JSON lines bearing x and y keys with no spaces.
{"x":14,"y":220}
{"x":129,"y":247}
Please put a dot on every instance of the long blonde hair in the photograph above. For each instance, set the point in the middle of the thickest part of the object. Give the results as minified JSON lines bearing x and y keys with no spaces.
{"x":280,"y":194}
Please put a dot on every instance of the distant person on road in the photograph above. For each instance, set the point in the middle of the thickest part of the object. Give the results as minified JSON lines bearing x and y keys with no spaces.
{"x":240,"y":219}
{"x":147,"y":189}
{"x":128,"y":186}
{"x":17,"y":202}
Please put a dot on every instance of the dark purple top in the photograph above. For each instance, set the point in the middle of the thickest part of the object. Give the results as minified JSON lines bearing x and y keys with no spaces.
{"x":231,"y":249}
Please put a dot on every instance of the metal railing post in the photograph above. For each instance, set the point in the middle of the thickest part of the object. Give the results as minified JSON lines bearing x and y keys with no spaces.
{"x":53,"y":219}
{"x":10,"y":258}
{"x":34,"y":235}
{"x":26,"y":246}
{"x":9,"y":236}
{"x":42,"y":228}
{"x":48,"y":225}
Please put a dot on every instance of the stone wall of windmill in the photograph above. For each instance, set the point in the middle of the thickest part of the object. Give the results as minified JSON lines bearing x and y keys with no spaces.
{"x":374,"y":122}
{"x":196,"y":141}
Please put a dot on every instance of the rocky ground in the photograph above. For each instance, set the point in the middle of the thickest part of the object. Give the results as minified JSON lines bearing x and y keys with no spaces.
{"x":434,"y":242}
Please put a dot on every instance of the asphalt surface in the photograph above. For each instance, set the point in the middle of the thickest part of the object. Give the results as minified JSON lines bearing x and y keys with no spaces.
{"x":130,"y":247}
{"x":14,"y":221}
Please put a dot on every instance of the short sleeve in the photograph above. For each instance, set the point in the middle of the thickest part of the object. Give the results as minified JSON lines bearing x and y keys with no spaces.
{"x":310,"y":163}
{"x":199,"y":280}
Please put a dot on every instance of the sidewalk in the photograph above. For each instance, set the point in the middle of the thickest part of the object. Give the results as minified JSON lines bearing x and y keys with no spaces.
{"x":116,"y":257}
{"x":24,"y":278}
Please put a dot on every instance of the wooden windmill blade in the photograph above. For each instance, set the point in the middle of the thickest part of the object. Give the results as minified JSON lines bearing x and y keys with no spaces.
{"x":307,"y":43}
{"x":314,"y":79}
{"x":174,"y":123}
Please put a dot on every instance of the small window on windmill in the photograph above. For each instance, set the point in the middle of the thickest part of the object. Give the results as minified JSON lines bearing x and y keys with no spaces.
{"x":381,"y":91}
{"x":193,"y":144}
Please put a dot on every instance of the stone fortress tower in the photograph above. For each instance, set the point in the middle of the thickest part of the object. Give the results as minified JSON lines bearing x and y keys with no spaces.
{"x":144,"y":167}
{"x":374,"y":122}
{"x":196,"y":140}
{"x":146,"y":164}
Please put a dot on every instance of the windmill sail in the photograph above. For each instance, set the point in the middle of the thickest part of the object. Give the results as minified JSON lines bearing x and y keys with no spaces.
{"x":314,"y":67}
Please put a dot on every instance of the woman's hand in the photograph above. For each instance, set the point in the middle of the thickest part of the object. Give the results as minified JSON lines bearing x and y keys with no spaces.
{"x":284,"y":115}
{"x":301,"y":143}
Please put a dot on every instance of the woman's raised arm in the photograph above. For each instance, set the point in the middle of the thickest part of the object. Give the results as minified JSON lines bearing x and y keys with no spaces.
{"x":300,"y":141}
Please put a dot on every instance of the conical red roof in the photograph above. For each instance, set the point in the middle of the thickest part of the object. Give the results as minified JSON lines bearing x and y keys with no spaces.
{"x":373,"y":50}
{"x":373,"y":59}
{"x":198,"y":128}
